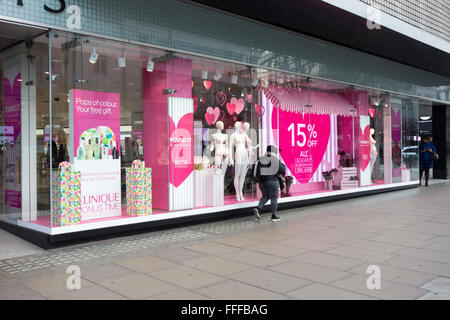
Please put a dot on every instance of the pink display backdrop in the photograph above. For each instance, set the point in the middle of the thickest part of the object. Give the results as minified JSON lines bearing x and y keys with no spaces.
{"x":181,"y":149}
{"x":11,"y":130}
{"x":11,"y":104}
{"x":92,"y":109}
{"x":303,"y":140}
{"x":174,"y":74}
{"x":396,"y":129}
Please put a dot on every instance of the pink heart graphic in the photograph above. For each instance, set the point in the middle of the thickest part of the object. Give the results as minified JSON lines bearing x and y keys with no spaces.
{"x":310,"y":134}
{"x":260,"y":110}
{"x":231,"y":108}
{"x":12,"y":104}
{"x":396,"y":120}
{"x":207,"y":84}
{"x":212,"y":115}
{"x":221,"y":98}
{"x":364,"y":147}
{"x":181,"y":149}
{"x":239,"y":104}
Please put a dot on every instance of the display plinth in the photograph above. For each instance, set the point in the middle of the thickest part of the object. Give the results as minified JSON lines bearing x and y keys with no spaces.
{"x":214,"y":189}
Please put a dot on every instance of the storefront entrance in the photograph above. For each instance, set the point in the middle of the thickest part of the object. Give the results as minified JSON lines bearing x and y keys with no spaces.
{"x":24,"y":112}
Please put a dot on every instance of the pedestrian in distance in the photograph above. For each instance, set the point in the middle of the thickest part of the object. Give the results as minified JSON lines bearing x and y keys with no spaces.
{"x":267,"y":172}
{"x":427,"y":154}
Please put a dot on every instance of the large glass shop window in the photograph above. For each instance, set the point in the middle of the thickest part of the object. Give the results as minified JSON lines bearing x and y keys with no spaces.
{"x":225,"y":133}
{"x":314,"y":124}
{"x":102,"y":95}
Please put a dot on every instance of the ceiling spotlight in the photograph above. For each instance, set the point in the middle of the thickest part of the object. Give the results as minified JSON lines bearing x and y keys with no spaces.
{"x":205,"y":74}
{"x":218,"y":75}
{"x":376,"y":101}
{"x":150,"y":65}
{"x":94,"y":56}
{"x":234,"y":78}
{"x":122,"y":61}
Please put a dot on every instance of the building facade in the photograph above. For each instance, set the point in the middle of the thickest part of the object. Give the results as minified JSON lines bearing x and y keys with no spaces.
{"x":128,"y":115}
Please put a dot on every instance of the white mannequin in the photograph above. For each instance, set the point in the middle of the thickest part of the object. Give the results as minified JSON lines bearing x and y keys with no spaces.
{"x":373,"y":151}
{"x":219,"y":141}
{"x":240,"y":159}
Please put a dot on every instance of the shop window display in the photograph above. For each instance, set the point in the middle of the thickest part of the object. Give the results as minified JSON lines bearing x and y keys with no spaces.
{"x":148,"y":134}
{"x":225,"y":141}
{"x":314,"y":124}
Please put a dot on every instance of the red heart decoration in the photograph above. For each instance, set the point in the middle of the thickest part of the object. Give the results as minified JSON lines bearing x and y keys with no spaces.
{"x":260,"y":110}
{"x":195,"y":103}
{"x":207,"y":84}
{"x":239,"y":104}
{"x":181,"y":149}
{"x":364,"y":147}
{"x":221,"y":98}
{"x":212,"y":115}
{"x":231,"y":108}
{"x":372,"y":112}
{"x":249,"y":98}
{"x":305,"y":156}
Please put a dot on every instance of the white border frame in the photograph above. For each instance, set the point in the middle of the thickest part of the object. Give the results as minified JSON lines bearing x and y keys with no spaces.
{"x":196,"y":212}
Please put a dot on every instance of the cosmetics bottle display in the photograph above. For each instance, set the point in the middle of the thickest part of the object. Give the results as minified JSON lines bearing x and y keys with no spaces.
{"x":81,"y":153}
{"x":97,"y":151}
{"x":89,"y":149}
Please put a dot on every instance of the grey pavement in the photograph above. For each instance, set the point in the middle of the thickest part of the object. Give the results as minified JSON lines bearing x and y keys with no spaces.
{"x":315,"y":252}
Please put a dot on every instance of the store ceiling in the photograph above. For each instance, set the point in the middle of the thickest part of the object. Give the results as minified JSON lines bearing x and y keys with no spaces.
{"x":11,"y":33}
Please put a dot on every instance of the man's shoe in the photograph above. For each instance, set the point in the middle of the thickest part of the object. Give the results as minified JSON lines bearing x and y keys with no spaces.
{"x":275,"y":218}
{"x":256,"y":212}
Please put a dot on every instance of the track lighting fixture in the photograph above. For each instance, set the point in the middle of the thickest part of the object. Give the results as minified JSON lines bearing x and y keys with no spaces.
{"x":94,"y":56}
{"x":122,"y":61}
{"x":150,"y":65}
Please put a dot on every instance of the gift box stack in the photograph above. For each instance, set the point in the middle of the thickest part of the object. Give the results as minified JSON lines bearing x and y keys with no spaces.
{"x":66,"y":196}
{"x":139,"y":189}
{"x":347,"y":174}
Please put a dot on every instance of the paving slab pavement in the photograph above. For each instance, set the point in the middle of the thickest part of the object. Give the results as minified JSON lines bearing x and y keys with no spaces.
{"x":319,"y":252}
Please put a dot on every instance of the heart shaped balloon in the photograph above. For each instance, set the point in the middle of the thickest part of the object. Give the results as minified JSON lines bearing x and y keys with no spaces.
{"x":221,"y":98}
{"x":239,"y":104}
{"x":260,"y":110}
{"x":231,"y":108}
{"x":207,"y":84}
{"x":212,"y":115}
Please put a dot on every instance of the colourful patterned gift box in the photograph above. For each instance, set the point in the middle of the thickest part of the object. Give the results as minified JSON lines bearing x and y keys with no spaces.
{"x":139,"y":189}
{"x":66,"y":196}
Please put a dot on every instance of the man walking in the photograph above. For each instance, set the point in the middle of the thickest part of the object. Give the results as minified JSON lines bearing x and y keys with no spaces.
{"x":268,"y":172}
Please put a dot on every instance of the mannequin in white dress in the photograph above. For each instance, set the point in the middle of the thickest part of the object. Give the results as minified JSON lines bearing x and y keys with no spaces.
{"x":219,"y":145}
{"x":373,"y":151}
{"x":240,"y":159}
